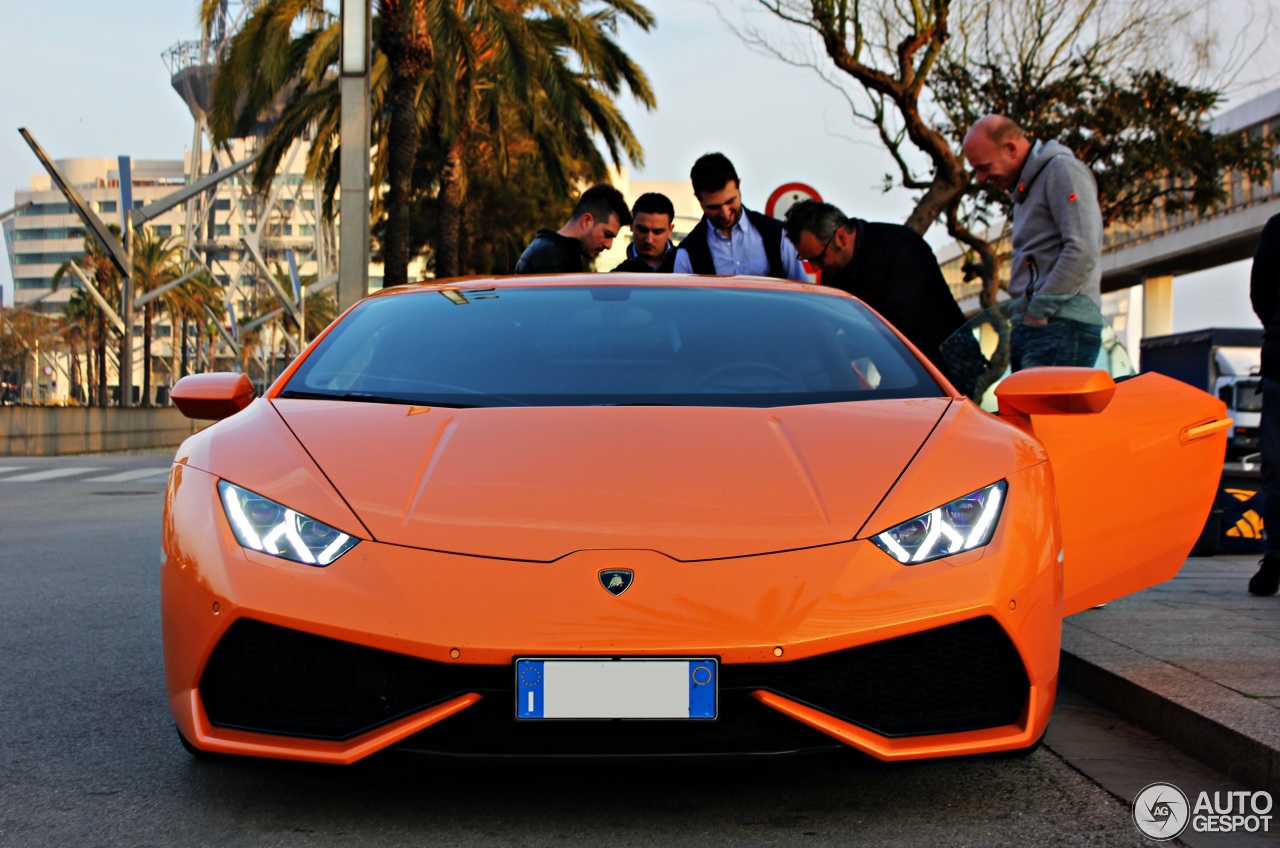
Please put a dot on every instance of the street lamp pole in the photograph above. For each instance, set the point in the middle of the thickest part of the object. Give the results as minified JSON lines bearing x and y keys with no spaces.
{"x":126,"y":282}
{"x":353,"y":207}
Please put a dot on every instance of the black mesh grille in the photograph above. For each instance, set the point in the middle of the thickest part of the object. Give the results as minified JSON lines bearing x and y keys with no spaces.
{"x":276,"y":680}
{"x":964,"y":676}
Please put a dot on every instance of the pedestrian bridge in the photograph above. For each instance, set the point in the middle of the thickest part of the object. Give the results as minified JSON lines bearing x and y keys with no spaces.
{"x":1151,"y":251}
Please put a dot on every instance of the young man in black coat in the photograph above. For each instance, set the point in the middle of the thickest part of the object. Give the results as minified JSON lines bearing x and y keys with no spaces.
{"x":600,"y":214}
{"x":651,"y":249}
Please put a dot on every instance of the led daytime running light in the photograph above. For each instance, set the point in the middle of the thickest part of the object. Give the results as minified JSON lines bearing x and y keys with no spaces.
{"x":945,"y":530}
{"x":263,"y":525}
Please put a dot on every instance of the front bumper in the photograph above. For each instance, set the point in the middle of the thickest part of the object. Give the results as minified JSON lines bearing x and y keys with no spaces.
{"x":400,"y":647}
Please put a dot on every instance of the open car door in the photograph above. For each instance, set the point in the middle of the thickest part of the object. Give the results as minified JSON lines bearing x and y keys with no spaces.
{"x":1136,"y":471}
{"x":1136,"y":463}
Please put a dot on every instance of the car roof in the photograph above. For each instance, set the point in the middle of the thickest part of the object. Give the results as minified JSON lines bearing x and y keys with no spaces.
{"x":591,"y":279}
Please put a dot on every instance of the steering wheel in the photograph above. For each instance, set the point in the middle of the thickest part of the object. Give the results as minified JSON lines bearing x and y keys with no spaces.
{"x":748,"y":377}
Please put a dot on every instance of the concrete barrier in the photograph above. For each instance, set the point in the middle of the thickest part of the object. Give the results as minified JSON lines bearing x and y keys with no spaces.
{"x":53,"y":431}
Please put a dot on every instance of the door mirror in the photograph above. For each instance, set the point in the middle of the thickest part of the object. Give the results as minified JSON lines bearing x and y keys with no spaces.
{"x":212,"y":396}
{"x":1055,"y":390}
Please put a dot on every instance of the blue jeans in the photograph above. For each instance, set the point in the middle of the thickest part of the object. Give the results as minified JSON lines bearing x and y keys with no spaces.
{"x":1060,"y":342}
{"x":1269,"y":442}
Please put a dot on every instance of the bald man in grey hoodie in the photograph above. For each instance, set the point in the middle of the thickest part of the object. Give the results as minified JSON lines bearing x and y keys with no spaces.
{"x":1055,"y":272}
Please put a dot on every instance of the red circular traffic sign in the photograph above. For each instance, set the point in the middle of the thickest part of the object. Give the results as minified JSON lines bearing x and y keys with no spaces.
{"x":784,"y":196}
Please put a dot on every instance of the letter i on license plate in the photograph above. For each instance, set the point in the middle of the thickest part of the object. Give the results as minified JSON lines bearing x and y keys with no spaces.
{"x":641,"y":688}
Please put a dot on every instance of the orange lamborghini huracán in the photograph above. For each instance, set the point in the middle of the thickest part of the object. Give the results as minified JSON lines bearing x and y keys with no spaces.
{"x":636,"y":515}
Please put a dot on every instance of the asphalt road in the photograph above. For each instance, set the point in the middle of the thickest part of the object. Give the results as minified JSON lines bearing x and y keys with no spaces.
{"x":88,"y":755}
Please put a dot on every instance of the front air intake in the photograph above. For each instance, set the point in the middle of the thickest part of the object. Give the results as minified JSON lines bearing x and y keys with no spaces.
{"x":275,"y":680}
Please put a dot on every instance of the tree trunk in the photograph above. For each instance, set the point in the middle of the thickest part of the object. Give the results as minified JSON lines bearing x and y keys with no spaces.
{"x":89,"y":381}
{"x":186,"y":355}
{"x":449,"y":214}
{"x":406,"y":43}
{"x":988,"y":264}
{"x":126,"y":361}
{"x":103,"y":400}
{"x":146,"y":355}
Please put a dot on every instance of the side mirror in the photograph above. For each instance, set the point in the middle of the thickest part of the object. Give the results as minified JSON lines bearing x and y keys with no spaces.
{"x":1055,"y":390}
{"x":212,"y":396}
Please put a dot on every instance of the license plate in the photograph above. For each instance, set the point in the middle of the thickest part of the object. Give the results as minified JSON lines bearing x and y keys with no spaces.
{"x":640,"y":687}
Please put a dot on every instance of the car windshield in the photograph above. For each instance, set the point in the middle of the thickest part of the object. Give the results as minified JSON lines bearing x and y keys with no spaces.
{"x":610,"y":345}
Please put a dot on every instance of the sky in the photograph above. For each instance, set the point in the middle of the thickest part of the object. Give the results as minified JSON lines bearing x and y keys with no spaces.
{"x":88,"y":79}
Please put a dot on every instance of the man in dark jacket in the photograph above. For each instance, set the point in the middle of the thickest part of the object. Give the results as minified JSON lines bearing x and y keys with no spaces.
{"x":651,"y":248}
{"x":1264,"y":293}
{"x":600,"y":214}
{"x":887,"y":266}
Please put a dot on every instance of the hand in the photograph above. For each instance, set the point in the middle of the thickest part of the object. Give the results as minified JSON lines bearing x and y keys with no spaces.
{"x":1034,"y":321}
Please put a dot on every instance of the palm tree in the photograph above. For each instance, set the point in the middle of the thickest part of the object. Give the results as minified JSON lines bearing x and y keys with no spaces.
{"x":442,"y":72}
{"x":80,"y":314}
{"x":155,"y":262}
{"x":187,"y":301}
{"x":99,"y":267}
{"x":561,"y":92}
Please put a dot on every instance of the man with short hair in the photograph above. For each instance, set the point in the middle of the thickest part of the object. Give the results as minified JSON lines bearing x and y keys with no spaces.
{"x":600,"y":214}
{"x":1055,"y":272}
{"x":889,"y":267}
{"x":651,"y":248}
{"x":731,"y":239}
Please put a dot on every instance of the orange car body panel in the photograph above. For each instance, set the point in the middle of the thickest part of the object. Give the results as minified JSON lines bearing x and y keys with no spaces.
{"x":1134,"y":485}
{"x":484,"y":531}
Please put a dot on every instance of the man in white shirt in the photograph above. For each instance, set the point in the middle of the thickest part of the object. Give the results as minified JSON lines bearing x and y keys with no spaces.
{"x":731,"y":239}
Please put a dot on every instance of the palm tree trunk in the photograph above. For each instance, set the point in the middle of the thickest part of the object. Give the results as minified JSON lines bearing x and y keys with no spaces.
{"x":102,"y":360}
{"x":146,"y":355}
{"x":449,"y":213}
{"x":186,"y":355}
{"x":88,"y":364}
{"x":405,"y":41}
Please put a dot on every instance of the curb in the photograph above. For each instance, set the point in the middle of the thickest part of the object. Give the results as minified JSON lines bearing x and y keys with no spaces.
{"x":1217,"y":726}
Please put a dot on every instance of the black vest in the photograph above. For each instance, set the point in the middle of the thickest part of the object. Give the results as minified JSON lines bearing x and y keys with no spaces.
{"x":770,"y":230}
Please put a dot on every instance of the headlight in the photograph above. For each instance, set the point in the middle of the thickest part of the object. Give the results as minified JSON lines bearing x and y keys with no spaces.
{"x":962,"y":525}
{"x":264,"y":525}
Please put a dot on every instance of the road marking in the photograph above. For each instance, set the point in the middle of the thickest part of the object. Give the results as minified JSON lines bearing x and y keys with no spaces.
{"x":136,"y":475}
{"x":7,"y":469}
{"x":51,"y":474}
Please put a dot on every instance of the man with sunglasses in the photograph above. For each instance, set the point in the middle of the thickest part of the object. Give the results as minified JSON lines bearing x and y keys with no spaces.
{"x":887,"y":266}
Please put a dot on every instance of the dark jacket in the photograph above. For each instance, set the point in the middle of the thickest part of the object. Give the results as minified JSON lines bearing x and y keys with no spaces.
{"x":550,"y":253}
{"x":894,"y":271}
{"x":770,"y":230}
{"x":636,"y":264}
{"x":1264,"y":294}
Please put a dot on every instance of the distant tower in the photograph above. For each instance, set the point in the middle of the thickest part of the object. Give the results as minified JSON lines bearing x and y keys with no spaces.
{"x":287,"y":218}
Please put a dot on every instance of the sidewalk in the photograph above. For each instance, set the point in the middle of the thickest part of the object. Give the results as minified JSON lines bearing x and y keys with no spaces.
{"x":1195,"y":660}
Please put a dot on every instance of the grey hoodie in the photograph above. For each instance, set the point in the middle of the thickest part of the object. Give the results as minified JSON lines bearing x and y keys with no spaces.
{"x":1057,"y":237}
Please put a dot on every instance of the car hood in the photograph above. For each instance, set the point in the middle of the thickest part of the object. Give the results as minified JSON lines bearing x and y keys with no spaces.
{"x":538,"y":483}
